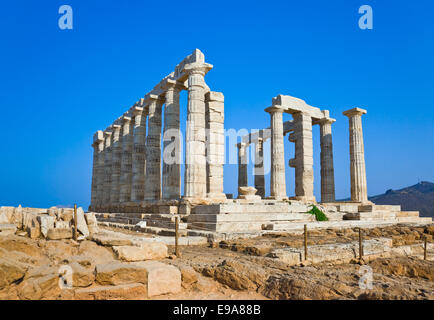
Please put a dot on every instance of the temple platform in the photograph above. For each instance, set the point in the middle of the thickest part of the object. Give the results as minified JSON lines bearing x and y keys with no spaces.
{"x":241,"y":217}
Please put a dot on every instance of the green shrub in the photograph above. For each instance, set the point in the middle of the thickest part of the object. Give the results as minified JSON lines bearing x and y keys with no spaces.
{"x":319,"y":215}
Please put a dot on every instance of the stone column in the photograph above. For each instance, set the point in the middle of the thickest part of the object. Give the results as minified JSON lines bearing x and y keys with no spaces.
{"x":153,"y":150}
{"x":303,"y":157}
{"x":215,"y":149}
{"x":138,"y":156}
{"x":126,"y":159}
{"x":195,"y":158}
{"x":171,"y":184}
{"x":242,"y":165}
{"x":327,"y":168}
{"x":98,"y":147}
{"x":116,"y":165}
{"x":359,"y":192}
{"x":277,"y":176}
{"x":259,"y":168}
{"x":107,"y":168}
{"x":100,"y":171}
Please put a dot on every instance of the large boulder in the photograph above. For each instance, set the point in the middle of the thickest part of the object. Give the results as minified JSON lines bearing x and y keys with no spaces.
{"x":147,"y":251}
{"x":81,"y":276}
{"x":10,"y":272}
{"x":40,"y":283}
{"x":237,"y":275}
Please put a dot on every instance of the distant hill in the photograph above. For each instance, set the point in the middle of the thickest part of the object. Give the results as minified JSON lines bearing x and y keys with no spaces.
{"x":419,"y":197}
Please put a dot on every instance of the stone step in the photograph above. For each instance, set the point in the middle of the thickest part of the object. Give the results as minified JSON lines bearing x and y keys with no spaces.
{"x":407,"y":214}
{"x":412,"y":219}
{"x":132,"y":221}
{"x":226,"y":226}
{"x":152,"y":230}
{"x":370,"y":216}
{"x":250,"y":208}
{"x":165,"y":224}
{"x":254,"y":217}
{"x":297,"y":226}
{"x":377,"y":208}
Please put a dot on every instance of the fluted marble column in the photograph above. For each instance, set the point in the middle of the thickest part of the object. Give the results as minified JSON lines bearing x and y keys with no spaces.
{"x":303,"y":157}
{"x":107,"y":167}
{"x":215,"y":148}
{"x":171,"y":182}
{"x":277,"y":176}
{"x":153,"y":149}
{"x":327,"y":168}
{"x":242,"y":165}
{"x":98,"y":147}
{"x":116,"y":165}
{"x":138,"y":156}
{"x":126,"y":159}
{"x":359,"y":192}
{"x":259,"y":168}
{"x":195,"y":158}
{"x":100,"y":172}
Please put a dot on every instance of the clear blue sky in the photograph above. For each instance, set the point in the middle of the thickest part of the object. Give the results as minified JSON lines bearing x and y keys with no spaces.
{"x":57,"y":87}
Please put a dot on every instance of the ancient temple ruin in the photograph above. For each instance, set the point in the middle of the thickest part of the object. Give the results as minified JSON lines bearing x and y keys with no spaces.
{"x":133,"y":181}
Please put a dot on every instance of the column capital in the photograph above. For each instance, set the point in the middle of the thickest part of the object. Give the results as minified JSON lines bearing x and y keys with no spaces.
{"x":201,"y":68}
{"x":324,"y":121}
{"x":116,"y":127}
{"x":137,"y":111}
{"x":98,"y":137}
{"x":171,"y":84}
{"x":126,"y":119}
{"x":274,"y":109}
{"x":354,"y":112}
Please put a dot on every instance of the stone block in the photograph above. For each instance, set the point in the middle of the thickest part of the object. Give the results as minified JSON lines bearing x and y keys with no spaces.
{"x":7,"y":229}
{"x":81,"y":223}
{"x":33,"y":232}
{"x":146,"y":251}
{"x":116,"y":273}
{"x":132,"y":291}
{"x":107,"y":240}
{"x":46,"y":222}
{"x":3,"y":218}
{"x":60,"y":224}
{"x":58,"y":234}
{"x":161,"y":278}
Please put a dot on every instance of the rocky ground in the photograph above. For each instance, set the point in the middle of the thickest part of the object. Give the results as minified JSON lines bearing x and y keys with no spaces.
{"x":239,"y":269}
